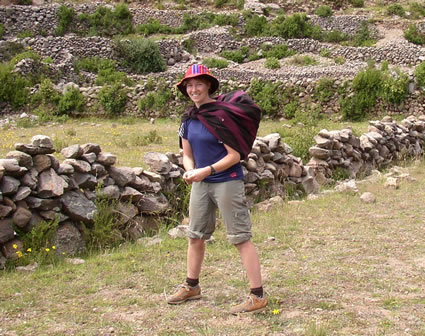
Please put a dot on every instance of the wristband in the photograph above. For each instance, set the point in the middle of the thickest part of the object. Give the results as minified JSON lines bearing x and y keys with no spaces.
{"x":212,"y":170}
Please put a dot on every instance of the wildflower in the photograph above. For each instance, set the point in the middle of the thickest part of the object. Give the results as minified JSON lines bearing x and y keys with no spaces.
{"x":15,"y":246}
{"x":276,"y":311}
{"x":29,"y":249}
{"x":47,"y":249}
{"x":53,"y":247}
{"x":19,"y":254}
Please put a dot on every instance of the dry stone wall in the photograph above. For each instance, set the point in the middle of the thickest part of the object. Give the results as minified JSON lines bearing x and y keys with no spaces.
{"x":35,"y":186}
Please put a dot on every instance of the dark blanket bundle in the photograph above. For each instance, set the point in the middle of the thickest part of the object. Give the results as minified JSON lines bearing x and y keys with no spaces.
{"x":233,"y":119}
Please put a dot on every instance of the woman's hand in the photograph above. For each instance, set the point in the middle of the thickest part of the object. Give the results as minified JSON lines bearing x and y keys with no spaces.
{"x":196,"y":175}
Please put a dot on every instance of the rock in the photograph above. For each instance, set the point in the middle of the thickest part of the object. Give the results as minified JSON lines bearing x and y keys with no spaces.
{"x":72,"y":152}
{"x":33,"y":150}
{"x":106,"y":159}
{"x":347,"y":186}
{"x":126,"y":211}
{"x":368,"y":197}
{"x":27,"y":268}
{"x":179,"y":231}
{"x":12,"y":249}
{"x":122,"y":176}
{"x":30,"y":179}
{"x":5,"y":210}
{"x":153,"y":177}
{"x":24,"y":159}
{"x":91,"y":148}
{"x":392,"y":182}
{"x":98,"y":170}
{"x":42,"y":162}
{"x":68,"y":239}
{"x":42,"y":204}
{"x":9,"y":185}
{"x":310,"y":185}
{"x":75,"y":261}
{"x":21,"y":217}
{"x":89,"y":157}
{"x":78,"y":207}
{"x":6,"y":230}
{"x":10,"y":165}
{"x":158,"y":162}
{"x":320,"y":153}
{"x":131,"y":194}
{"x":152,"y":203}
{"x":111,"y":192}
{"x":42,"y":141}
{"x":85,"y":181}
{"x":22,"y":193}
{"x":273,"y":140}
{"x":65,"y":169}
{"x":79,"y":165}
{"x":50,"y":184}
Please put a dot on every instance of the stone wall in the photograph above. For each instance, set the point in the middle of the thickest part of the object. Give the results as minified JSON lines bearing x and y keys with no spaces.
{"x":35,"y":186}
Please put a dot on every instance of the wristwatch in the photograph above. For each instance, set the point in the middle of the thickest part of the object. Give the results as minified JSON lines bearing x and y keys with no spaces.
{"x":212,"y":170}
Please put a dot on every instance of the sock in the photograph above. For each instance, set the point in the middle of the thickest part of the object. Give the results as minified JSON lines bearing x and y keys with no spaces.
{"x":192,"y":282}
{"x":258,"y":291}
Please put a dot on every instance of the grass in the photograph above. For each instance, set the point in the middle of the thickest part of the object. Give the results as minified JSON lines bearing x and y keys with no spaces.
{"x":336,"y":267}
{"x":128,"y":138}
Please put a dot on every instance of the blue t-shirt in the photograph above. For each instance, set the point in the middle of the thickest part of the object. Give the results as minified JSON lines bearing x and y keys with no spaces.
{"x":207,"y":150}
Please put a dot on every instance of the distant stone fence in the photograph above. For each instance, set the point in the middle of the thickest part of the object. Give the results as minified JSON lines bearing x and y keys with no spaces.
{"x":35,"y":186}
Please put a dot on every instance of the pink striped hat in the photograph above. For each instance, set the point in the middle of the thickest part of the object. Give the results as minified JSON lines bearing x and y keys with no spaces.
{"x":197,"y":70}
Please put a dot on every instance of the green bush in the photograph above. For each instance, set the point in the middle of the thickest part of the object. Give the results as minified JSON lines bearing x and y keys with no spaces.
{"x":226,"y":20}
{"x":366,"y":86}
{"x":413,"y":35}
{"x":23,"y":55}
{"x":279,"y":51}
{"x":212,"y":62}
{"x":335,"y":36}
{"x":13,"y":88}
{"x":46,"y":95}
{"x":363,"y":37}
{"x":255,"y":25}
{"x":300,"y":140}
{"x":155,"y":101}
{"x":113,"y":99}
{"x":265,"y":94}
{"x":416,"y":10}
{"x":71,"y":100}
{"x":420,"y":75}
{"x":110,"y":76}
{"x":237,"y":56}
{"x":324,"y":90}
{"x":140,"y":55}
{"x":357,"y":3}
{"x":10,"y":50}
{"x":303,"y":60}
{"x":272,"y":63}
{"x":290,"y":109}
{"x":65,"y":17}
{"x":325,"y":52}
{"x":94,"y":64}
{"x":323,"y":11}
{"x":189,"y":45}
{"x":339,"y":60}
{"x":153,"y":26}
{"x":109,"y":22}
{"x":295,"y":26}
{"x":394,"y":87}
{"x":396,"y":9}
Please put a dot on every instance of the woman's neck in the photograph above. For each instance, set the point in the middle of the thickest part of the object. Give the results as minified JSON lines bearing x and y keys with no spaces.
{"x":209,"y":100}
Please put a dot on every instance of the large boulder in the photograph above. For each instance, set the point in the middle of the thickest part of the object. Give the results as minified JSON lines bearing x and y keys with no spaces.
{"x":68,"y":239}
{"x":50,"y":184}
{"x":78,"y":206}
{"x":158,"y":162}
{"x":6,"y":230}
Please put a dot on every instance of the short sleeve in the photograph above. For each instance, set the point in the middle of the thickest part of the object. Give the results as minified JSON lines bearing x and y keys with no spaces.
{"x":183,"y":130}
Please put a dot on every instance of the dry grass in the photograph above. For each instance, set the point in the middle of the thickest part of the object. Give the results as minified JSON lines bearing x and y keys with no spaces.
{"x":336,"y":267}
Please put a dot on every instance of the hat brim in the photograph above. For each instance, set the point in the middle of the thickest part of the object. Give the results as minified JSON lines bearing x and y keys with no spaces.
{"x":214,"y":83}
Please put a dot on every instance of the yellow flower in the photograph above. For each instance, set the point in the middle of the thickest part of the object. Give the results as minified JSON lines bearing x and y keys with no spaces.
{"x":15,"y":246}
{"x":276,"y":311}
{"x":54,"y":247}
{"x":29,"y":249}
{"x":19,"y":253}
{"x":47,"y":249}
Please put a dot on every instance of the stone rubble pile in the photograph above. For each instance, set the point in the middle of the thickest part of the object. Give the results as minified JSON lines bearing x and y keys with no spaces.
{"x":385,"y":142}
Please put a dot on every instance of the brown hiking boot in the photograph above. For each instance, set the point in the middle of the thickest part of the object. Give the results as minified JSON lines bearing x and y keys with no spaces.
{"x":253,"y":304}
{"x":184,"y":294}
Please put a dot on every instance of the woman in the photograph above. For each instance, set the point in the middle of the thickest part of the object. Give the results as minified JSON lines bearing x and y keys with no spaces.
{"x":215,"y":135}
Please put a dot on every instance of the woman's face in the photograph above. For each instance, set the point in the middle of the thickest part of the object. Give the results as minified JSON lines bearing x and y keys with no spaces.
{"x":197,"y":89}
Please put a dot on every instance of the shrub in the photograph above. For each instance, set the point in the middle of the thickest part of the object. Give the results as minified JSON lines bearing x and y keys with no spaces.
{"x":303,"y":60}
{"x":413,"y":35}
{"x":323,"y":11}
{"x":357,"y":3}
{"x":143,"y":140}
{"x":265,"y":95}
{"x":420,"y":74}
{"x":324,"y":89}
{"x":339,"y":60}
{"x":72,"y":100}
{"x":10,"y":50}
{"x":394,"y":87}
{"x":189,"y":45}
{"x":46,"y":95}
{"x":23,"y":55}
{"x":237,"y":56}
{"x":300,"y":140}
{"x":363,"y":37}
{"x":65,"y":17}
{"x":1,"y":30}
{"x":94,"y":64}
{"x":153,"y":26}
{"x":212,"y":62}
{"x":255,"y":25}
{"x":226,"y":20}
{"x":220,"y":3}
{"x":272,"y":63}
{"x":279,"y":51}
{"x":290,"y":109}
{"x":110,"y":76}
{"x":109,"y":22}
{"x":416,"y":10}
{"x":295,"y":26}
{"x":140,"y":55}
{"x":325,"y":52}
{"x":366,"y":86}
{"x":13,"y":88}
{"x":335,"y":36}
{"x":113,"y":99}
{"x":155,"y":101}
{"x":396,"y":9}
